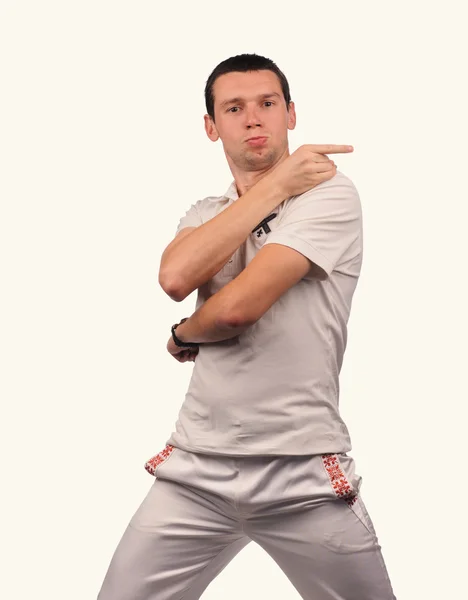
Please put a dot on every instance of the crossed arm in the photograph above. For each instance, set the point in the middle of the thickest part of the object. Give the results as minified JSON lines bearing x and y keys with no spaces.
{"x":239,"y":304}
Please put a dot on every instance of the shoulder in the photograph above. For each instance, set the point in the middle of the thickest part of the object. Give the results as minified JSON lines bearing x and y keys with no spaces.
{"x":210,"y":206}
{"x":337,"y":192}
{"x":339,"y":185}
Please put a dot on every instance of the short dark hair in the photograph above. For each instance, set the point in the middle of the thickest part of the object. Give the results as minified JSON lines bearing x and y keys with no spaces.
{"x":243,"y":63}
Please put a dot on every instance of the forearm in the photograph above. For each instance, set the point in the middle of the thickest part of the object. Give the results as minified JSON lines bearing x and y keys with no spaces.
{"x":210,"y":323}
{"x":188,"y":263}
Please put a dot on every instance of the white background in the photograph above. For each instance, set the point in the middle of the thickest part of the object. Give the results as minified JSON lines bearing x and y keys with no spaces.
{"x":103,"y":150}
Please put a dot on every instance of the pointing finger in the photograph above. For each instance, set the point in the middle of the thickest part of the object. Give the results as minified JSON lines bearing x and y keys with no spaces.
{"x":329,"y":148}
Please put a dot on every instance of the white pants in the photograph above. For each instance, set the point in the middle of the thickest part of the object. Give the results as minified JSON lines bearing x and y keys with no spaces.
{"x":305,"y":511}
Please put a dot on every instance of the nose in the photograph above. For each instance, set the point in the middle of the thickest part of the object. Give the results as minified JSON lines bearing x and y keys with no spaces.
{"x":252,"y":117}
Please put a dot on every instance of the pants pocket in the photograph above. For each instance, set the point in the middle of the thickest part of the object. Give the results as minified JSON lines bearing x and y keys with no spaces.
{"x":360,"y":510}
{"x":156,"y":461}
{"x":342,"y":478}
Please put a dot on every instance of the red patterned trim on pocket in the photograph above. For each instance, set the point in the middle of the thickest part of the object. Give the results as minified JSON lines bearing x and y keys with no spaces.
{"x":153,"y":463}
{"x":341,"y":485}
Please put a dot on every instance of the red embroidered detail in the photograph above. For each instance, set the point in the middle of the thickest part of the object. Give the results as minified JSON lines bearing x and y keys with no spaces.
{"x":342,"y":487}
{"x":153,"y":463}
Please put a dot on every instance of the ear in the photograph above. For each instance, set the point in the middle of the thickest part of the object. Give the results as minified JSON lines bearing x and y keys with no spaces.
{"x":292,"y":116}
{"x":210,"y":128}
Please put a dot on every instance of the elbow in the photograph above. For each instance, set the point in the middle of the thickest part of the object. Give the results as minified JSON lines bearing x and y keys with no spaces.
{"x":171,"y":287}
{"x":231,"y":319}
{"x":234,"y":312}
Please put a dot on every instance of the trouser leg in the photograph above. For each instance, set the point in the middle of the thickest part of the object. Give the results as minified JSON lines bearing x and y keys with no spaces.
{"x":327,"y":553}
{"x":310,"y":518}
{"x":177,"y":542}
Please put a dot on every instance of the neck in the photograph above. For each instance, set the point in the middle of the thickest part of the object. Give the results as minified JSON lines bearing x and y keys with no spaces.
{"x":247,"y":179}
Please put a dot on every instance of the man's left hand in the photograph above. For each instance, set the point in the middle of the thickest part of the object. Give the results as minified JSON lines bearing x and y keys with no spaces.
{"x":181,"y":354}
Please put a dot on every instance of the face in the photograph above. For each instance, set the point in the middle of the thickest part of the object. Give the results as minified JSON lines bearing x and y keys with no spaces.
{"x":248,"y":105}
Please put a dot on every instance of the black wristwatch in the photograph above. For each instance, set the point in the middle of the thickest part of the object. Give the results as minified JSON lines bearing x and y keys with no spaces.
{"x":180,"y":343}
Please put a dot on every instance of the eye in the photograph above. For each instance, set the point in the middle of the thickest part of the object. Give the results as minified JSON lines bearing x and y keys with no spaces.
{"x":232,"y":108}
{"x":268,"y":102}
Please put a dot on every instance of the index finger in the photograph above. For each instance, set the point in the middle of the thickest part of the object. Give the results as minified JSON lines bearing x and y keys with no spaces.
{"x":329,"y":148}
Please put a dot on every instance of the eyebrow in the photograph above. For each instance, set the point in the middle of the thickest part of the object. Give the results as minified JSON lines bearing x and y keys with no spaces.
{"x":238,"y":99}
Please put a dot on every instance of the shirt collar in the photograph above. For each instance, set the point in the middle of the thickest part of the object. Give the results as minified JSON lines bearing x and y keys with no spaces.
{"x":230,"y":193}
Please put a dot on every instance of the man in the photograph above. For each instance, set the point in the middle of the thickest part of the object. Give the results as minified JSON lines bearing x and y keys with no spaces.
{"x":260,"y":450}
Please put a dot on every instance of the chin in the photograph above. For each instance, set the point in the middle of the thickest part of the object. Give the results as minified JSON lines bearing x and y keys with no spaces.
{"x":261,"y":155}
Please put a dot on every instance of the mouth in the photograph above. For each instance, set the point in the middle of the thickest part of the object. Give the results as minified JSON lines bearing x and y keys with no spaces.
{"x":257,"y":141}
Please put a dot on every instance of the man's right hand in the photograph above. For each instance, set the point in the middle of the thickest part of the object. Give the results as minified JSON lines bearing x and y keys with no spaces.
{"x":306,"y":167}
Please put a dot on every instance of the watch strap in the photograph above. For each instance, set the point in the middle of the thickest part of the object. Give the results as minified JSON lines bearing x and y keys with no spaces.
{"x":179,"y":342}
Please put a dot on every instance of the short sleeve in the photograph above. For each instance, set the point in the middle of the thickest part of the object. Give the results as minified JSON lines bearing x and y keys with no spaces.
{"x":190,"y":219}
{"x":324,"y":224}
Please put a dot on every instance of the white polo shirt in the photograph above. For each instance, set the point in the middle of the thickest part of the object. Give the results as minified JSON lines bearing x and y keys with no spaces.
{"x":274,"y":390}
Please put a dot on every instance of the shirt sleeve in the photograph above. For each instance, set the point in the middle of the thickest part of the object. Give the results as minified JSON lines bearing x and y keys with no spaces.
{"x":324,"y":224}
{"x":191,"y":218}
